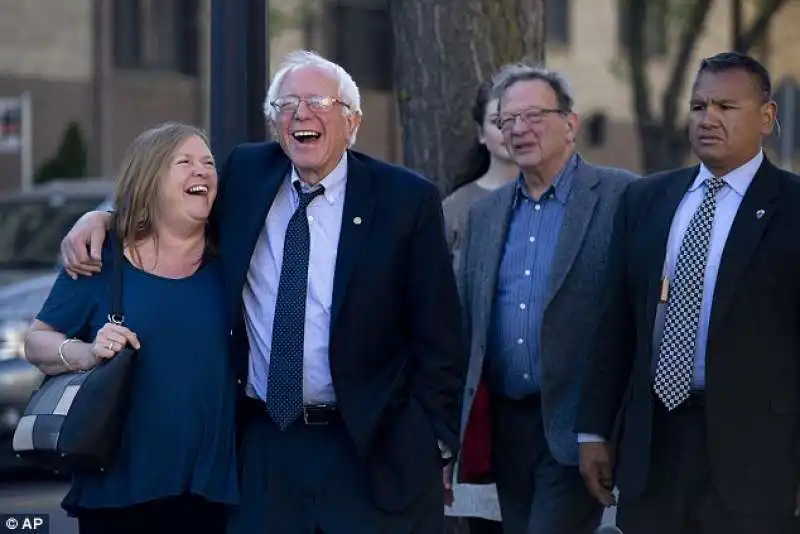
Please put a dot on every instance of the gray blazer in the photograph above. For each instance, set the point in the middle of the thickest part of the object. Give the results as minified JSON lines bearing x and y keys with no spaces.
{"x":571,"y":313}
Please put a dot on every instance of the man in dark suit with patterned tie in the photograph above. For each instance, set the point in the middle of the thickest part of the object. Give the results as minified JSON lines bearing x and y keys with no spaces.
{"x":695,"y":365}
{"x":346,"y":332}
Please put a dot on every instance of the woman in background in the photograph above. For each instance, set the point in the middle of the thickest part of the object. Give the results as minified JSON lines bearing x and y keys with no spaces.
{"x":175,"y":470}
{"x":488,"y":168}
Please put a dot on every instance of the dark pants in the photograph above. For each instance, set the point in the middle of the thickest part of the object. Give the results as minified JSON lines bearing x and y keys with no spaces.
{"x":537,"y":494}
{"x":484,"y":526}
{"x":309,"y":479}
{"x":162,"y":516}
{"x":680,"y":497}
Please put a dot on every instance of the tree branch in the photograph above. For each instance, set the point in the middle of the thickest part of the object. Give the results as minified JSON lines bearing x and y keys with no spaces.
{"x":677,"y":78}
{"x":755,"y":33}
{"x":736,"y":22}
{"x":637,"y":60}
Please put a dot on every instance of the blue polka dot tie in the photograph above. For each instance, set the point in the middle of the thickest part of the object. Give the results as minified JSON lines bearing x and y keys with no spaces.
{"x":285,"y":381}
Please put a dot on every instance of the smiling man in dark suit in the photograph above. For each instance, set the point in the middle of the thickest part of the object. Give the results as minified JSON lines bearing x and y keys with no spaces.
{"x":346,"y":330}
{"x":699,"y":344}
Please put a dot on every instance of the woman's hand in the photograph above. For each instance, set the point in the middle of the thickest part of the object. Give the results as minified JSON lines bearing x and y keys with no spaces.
{"x":111,"y":339}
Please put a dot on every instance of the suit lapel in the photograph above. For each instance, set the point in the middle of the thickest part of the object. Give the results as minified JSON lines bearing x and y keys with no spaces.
{"x":654,"y":236}
{"x":494,"y":231}
{"x":579,"y":211}
{"x":268,"y":180}
{"x":359,"y":203}
{"x":265,"y":178}
{"x":745,"y":234}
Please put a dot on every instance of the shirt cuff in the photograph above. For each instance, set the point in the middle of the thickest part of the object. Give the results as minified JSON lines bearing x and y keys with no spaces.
{"x":591,"y":438}
{"x":445,"y":451}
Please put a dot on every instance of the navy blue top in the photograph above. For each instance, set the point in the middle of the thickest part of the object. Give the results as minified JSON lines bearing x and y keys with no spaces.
{"x":179,"y":433}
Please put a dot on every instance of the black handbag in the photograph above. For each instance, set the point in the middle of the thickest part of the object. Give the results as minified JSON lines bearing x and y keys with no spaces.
{"x":74,"y":421}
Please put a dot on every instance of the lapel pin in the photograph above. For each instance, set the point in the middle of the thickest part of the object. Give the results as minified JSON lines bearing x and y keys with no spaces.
{"x":759,"y":213}
{"x":357,"y":220}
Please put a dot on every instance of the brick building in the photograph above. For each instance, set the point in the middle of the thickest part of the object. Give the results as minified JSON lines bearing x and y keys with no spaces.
{"x":113,"y":66}
{"x":119,"y":66}
{"x":585,"y":40}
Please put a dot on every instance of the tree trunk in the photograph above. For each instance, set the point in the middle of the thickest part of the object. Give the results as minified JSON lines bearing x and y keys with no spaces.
{"x":443,"y":50}
{"x":664,"y":141}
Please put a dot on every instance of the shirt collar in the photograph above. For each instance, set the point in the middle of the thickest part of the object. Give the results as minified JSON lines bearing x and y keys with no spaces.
{"x":738,"y":179}
{"x":334,"y":182}
{"x":561,"y":187}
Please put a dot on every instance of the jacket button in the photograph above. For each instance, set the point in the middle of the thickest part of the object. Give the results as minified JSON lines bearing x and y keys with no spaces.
{"x":471,"y":391}
{"x":239,"y":381}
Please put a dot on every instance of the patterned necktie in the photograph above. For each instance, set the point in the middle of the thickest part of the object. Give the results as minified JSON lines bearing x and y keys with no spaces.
{"x":675,"y":370}
{"x":285,"y":380}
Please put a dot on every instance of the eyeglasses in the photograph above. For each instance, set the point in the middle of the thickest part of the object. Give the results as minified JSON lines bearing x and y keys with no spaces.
{"x":530,"y":116}
{"x":317,"y":104}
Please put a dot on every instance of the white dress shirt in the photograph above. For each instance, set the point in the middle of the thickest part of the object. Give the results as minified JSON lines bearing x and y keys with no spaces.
{"x":261,"y":288}
{"x":729,"y":198}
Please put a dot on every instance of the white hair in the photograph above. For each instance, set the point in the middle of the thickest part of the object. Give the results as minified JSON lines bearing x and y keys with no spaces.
{"x":348,"y":90}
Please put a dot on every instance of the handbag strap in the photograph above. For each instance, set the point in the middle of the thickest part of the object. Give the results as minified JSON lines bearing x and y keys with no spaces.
{"x":116,"y":314}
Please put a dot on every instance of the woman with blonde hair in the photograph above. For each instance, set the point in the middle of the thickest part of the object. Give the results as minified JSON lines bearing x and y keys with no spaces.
{"x":175,"y":469}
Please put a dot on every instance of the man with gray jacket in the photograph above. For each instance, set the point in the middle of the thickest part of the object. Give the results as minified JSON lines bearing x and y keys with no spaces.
{"x":529,"y":279}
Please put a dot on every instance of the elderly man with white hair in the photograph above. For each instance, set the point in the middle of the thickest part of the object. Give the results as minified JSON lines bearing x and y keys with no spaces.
{"x":345,"y":321}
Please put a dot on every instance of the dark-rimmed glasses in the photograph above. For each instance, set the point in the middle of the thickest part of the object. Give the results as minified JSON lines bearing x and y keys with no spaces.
{"x":317,"y":104}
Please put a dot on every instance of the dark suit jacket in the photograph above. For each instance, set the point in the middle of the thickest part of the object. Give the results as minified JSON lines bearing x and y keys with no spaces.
{"x":753,"y":347}
{"x":397,"y":356}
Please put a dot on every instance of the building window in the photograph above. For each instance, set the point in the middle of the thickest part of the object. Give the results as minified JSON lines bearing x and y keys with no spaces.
{"x":655,"y":29}
{"x":557,"y":22}
{"x":156,"y":34}
{"x":362,"y":42}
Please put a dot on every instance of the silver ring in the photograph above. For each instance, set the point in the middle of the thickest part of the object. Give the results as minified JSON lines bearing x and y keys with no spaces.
{"x":111,"y":346}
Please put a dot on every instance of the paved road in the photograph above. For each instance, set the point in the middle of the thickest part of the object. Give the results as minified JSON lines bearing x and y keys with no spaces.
{"x":41,"y":495}
{"x":36,"y":495}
